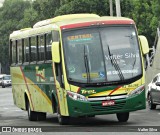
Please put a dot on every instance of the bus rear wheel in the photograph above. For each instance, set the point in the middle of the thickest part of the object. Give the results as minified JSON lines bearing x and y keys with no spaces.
{"x":32,"y":116}
{"x":41,"y":116}
{"x":35,"y":116}
{"x":63,"y":120}
{"x":123,"y":117}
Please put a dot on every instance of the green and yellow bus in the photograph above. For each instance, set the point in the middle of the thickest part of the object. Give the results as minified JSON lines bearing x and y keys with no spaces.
{"x":78,"y":65}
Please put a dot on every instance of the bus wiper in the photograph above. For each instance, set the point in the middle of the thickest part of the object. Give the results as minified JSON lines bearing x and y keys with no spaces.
{"x":115,"y":64}
{"x":86,"y":65}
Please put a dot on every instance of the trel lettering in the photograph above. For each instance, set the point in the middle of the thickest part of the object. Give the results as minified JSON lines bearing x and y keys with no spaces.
{"x":40,"y":75}
{"x":88,"y":91}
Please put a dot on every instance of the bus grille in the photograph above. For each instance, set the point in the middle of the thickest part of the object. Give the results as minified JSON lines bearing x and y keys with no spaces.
{"x":99,"y":107}
{"x":103,"y":98}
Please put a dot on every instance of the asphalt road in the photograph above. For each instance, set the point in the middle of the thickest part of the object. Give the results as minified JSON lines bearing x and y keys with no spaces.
{"x":11,"y":116}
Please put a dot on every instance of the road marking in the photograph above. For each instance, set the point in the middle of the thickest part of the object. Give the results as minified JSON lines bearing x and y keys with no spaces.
{"x":17,"y":110}
{"x":12,"y":109}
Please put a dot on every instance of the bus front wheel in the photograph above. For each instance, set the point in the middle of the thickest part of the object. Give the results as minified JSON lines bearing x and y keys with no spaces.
{"x":63,"y":120}
{"x":123,"y":117}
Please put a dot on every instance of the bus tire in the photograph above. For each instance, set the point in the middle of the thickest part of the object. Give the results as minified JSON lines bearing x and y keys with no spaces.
{"x":32,"y":116}
{"x":41,"y":116}
{"x":63,"y":120}
{"x":91,"y":116}
{"x":150,"y":102}
{"x":54,"y":104}
{"x":123,"y":117}
{"x":3,"y":86}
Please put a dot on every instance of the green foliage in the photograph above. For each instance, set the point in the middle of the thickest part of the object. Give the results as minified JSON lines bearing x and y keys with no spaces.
{"x":11,"y":14}
{"x":84,"y":6}
{"x":30,"y":17}
{"x":142,"y":14}
{"x":46,"y":8}
{"x":127,"y":8}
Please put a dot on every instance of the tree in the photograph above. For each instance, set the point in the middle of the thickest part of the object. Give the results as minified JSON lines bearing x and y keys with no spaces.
{"x":84,"y":6}
{"x":30,"y":18}
{"x":11,"y":14}
{"x":142,"y":12}
{"x":46,"y":8}
{"x":155,"y":22}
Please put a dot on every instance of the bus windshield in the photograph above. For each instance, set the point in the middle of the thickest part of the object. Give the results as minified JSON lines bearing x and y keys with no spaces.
{"x":104,"y":54}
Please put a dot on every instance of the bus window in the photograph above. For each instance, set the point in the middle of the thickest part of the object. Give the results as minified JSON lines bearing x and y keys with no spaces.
{"x":55,"y":36}
{"x":48,"y":46}
{"x":41,"y":47}
{"x":26,"y":50}
{"x":19,"y":51}
{"x":14,"y":52}
{"x":33,"y":49}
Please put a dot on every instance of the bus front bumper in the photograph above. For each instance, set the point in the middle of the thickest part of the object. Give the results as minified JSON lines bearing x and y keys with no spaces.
{"x":86,"y":108}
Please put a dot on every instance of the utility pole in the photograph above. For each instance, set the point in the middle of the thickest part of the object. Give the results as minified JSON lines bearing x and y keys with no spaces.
{"x":118,"y":8}
{"x":111,"y":7}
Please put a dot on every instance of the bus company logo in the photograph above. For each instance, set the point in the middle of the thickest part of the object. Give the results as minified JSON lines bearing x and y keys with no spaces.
{"x":108,"y":98}
{"x":40,"y":75}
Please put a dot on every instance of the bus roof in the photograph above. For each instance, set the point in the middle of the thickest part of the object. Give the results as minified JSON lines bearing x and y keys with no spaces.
{"x":94,"y":21}
{"x":67,"y":22}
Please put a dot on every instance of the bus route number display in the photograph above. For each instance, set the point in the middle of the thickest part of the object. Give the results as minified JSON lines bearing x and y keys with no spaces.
{"x":77,"y":38}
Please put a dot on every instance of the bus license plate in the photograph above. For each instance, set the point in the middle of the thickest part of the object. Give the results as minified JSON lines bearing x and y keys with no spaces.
{"x":108,"y":103}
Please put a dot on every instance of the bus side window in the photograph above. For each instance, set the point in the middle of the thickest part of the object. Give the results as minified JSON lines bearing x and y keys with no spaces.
{"x":56,"y":69}
{"x":48,"y":46}
{"x":58,"y":66}
{"x":33,"y":49}
{"x":41,"y":43}
{"x":26,"y":50}
{"x":14,"y":52}
{"x":10,"y":52}
{"x":55,"y":36}
{"x":19,"y":51}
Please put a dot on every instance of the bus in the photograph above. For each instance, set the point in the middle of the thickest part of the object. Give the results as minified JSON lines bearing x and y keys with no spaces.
{"x":78,"y":65}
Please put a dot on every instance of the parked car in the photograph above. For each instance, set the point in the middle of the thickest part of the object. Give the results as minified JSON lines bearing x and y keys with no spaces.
{"x":153,"y":95}
{"x":6,"y":81}
{"x":1,"y":76}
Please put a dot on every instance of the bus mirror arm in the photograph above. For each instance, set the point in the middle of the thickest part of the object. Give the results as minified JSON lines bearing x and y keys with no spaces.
{"x":144,"y":44}
{"x":56,"y":52}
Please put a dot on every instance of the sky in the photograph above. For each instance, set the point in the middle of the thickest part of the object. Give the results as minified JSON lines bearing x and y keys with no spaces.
{"x":1,"y":1}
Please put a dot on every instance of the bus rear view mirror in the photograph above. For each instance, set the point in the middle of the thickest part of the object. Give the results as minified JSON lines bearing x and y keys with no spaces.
{"x":55,"y":52}
{"x":144,"y":44}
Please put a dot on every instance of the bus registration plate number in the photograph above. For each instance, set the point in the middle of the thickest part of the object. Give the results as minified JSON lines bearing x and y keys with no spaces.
{"x":108,"y":103}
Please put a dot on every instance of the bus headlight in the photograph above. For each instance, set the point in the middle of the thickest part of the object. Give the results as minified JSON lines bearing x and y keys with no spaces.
{"x":137,"y":91}
{"x":76,"y":96}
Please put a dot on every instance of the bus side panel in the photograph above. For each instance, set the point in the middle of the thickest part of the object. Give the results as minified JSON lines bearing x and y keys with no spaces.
{"x":18,"y":87}
{"x":40,"y":83}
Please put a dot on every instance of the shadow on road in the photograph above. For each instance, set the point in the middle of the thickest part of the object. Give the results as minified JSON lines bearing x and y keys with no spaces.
{"x":90,"y":121}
